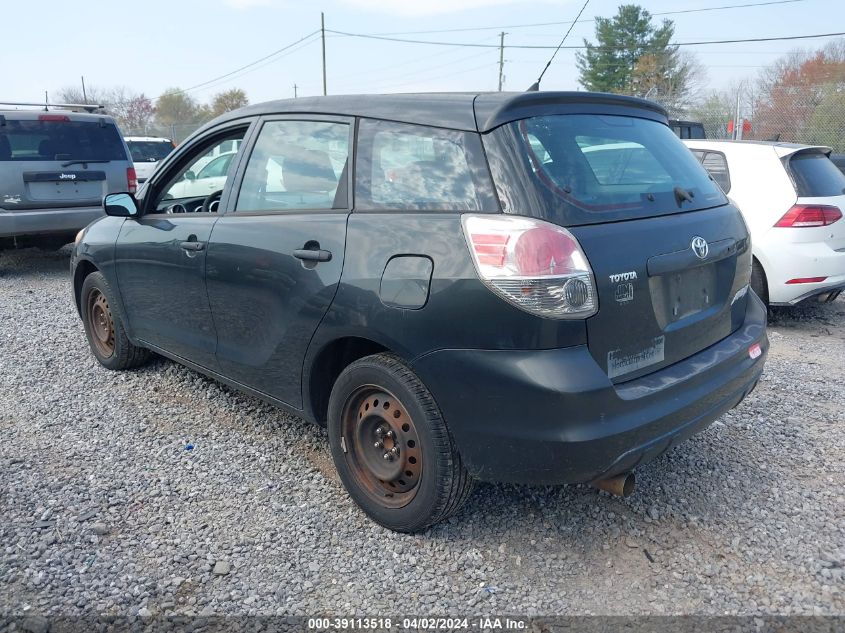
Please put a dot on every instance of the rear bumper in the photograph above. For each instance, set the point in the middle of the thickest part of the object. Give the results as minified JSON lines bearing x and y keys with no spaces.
{"x":803,"y":260}
{"x":554,"y":417}
{"x":46,"y":221}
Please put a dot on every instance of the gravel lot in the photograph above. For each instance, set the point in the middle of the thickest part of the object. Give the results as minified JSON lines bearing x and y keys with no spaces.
{"x":104,"y":509}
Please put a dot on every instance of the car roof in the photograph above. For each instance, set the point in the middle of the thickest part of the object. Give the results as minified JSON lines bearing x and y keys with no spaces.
{"x":32,"y":115}
{"x":471,"y":111}
{"x":781,"y":149}
{"x":147,"y":138}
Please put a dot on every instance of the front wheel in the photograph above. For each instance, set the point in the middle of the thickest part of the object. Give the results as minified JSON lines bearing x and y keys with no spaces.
{"x":104,"y":329}
{"x":391,"y":446}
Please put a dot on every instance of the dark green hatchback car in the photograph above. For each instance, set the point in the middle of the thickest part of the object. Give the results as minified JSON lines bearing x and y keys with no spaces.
{"x":534,"y":288}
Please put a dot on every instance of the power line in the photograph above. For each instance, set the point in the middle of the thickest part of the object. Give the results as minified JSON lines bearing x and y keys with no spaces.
{"x":303,"y":44}
{"x":379,"y":78}
{"x":536,"y":24}
{"x":253,"y":63}
{"x":233,"y":72}
{"x":405,"y":64}
{"x":621,"y":47}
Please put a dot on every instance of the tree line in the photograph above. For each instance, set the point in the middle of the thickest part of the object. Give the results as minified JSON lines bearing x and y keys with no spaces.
{"x":800,"y":97}
{"x":136,"y":113}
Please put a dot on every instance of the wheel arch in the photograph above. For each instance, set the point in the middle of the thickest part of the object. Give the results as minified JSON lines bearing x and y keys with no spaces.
{"x":84,"y":267}
{"x":327,"y":365}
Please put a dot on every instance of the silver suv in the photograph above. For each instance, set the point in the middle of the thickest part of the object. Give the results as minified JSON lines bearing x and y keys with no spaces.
{"x":55,"y":168}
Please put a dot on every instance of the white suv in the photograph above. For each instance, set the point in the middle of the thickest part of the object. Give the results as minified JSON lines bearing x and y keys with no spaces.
{"x":147,"y":152}
{"x":791,"y":197}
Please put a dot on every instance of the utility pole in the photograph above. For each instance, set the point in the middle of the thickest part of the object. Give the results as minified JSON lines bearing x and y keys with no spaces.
{"x":323,"y":34}
{"x":501,"y":58}
{"x":84,"y":96}
{"x":737,"y":135}
{"x":294,"y":91}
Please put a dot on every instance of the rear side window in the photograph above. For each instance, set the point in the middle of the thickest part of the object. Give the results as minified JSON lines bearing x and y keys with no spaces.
{"x":581,"y":169}
{"x":149,"y":151}
{"x":815,"y":175}
{"x":60,"y":139}
{"x":413,"y":167}
{"x":717,"y":166}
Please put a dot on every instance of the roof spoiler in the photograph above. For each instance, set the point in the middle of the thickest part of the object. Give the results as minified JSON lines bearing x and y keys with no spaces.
{"x":83,"y":107}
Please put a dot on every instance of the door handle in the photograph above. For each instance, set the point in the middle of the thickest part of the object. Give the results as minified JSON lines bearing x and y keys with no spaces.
{"x":313,"y":255}
{"x":191,"y":245}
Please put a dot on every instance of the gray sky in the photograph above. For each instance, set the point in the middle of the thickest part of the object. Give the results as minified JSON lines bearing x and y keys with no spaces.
{"x":152,"y":45}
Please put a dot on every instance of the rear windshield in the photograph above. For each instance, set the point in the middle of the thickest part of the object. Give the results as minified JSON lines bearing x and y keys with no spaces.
{"x":815,"y":175}
{"x":35,"y":140}
{"x":149,"y":151}
{"x":589,"y":168}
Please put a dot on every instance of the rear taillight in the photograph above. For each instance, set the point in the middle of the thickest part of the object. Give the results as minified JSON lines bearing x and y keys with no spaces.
{"x":809,"y":215}
{"x":806,"y":280}
{"x":131,"y":180}
{"x":534,"y":265}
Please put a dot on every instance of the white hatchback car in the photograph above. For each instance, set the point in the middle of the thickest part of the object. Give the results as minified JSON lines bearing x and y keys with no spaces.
{"x":791,"y":197}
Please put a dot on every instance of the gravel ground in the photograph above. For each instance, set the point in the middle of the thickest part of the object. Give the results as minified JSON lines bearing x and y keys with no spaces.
{"x":160,"y":491}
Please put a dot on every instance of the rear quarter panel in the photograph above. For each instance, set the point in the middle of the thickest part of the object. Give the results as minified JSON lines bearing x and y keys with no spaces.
{"x":460,"y":313}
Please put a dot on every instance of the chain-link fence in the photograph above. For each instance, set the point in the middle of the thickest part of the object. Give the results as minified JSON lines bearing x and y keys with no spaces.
{"x":814,"y":115}
{"x":176,"y":132}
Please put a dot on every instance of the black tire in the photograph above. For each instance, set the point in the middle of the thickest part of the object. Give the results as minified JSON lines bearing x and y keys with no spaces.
{"x":441,"y":484}
{"x":104,"y":327}
{"x":758,"y":283}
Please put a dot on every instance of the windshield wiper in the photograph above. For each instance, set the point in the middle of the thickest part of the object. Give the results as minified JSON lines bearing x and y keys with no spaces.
{"x":83,"y":161}
{"x":682,"y":195}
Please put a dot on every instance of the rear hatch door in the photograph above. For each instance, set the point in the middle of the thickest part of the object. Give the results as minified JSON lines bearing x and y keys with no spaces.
{"x":818,"y":181}
{"x":670,"y":254}
{"x":51,"y":160}
{"x":671,"y":287}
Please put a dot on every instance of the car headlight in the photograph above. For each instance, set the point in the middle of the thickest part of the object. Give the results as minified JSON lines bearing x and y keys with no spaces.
{"x":78,"y":237}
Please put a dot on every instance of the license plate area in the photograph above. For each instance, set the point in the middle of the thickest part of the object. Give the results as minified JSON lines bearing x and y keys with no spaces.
{"x":681,"y":294}
{"x":64,"y":190}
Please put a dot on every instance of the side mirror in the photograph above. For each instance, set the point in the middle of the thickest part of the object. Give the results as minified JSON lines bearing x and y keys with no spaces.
{"x":189,"y":175}
{"x":121,"y":205}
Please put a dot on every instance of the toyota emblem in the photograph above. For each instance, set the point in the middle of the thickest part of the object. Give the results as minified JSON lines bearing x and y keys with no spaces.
{"x":699,"y":247}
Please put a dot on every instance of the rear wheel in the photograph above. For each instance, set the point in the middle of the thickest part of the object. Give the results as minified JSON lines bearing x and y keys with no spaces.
{"x":758,"y":282}
{"x":104,"y":329}
{"x":391,"y":446}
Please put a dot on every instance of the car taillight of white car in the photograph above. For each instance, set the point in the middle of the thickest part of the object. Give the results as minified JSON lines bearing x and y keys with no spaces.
{"x":534,"y":265}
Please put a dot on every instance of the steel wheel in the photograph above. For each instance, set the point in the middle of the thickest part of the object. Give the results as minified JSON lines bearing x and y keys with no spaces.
{"x":382,"y":447}
{"x":102,"y":323}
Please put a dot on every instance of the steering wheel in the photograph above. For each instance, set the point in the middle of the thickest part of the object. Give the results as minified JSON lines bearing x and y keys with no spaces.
{"x":210,"y":199}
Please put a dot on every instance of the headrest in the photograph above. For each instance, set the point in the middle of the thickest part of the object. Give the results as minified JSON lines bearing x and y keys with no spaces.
{"x":308,"y":170}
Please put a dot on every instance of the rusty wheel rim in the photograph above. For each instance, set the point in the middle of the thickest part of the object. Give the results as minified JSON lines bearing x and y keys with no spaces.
{"x":101,"y":323}
{"x":381,"y":446}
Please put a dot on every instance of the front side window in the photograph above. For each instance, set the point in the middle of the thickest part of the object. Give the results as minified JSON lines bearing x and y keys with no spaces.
{"x":201,"y":175}
{"x":296,"y":165}
{"x":414,"y":167}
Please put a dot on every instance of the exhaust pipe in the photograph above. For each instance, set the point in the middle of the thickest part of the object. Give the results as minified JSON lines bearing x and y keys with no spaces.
{"x":829,"y":297}
{"x":621,"y":486}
